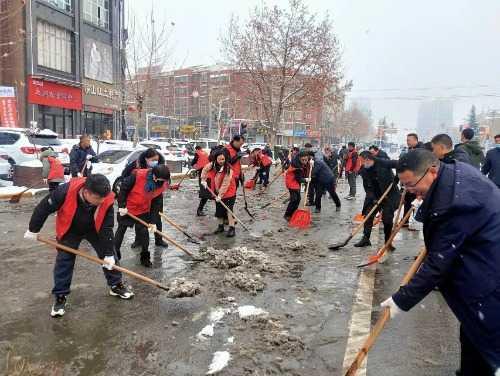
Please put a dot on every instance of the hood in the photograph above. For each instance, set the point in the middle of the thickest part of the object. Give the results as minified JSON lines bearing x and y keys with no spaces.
{"x":472,"y":147}
{"x":47,"y":153}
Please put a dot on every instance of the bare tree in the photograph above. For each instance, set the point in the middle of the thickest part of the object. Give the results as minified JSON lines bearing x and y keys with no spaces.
{"x":147,"y":52}
{"x":353,"y":125}
{"x":286,"y":57}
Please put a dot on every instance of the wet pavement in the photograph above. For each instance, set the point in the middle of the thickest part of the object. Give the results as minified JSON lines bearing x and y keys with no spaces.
{"x":306,"y":290}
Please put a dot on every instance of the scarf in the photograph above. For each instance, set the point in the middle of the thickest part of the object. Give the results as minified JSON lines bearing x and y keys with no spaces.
{"x":150,"y":185}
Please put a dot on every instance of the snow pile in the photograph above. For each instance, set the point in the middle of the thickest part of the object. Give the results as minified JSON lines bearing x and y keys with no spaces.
{"x":245,"y":280}
{"x":32,"y":163}
{"x":219,"y":362}
{"x":250,"y":311}
{"x":181,"y":288}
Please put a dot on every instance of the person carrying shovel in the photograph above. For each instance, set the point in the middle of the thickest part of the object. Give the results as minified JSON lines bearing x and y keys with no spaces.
{"x":218,"y":176}
{"x":296,"y":175}
{"x":377,"y":177}
{"x":262,"y":163}
{"x":200,"y":160}
{"x":136,"y":195}
{"x":84,"y":209}
{"x":461,"y":217}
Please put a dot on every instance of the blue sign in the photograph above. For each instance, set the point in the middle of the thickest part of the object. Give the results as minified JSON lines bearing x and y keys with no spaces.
{"x":299,"y":133}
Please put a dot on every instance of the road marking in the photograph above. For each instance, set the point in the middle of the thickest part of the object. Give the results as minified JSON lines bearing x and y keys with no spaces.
{"x":360,"y":324}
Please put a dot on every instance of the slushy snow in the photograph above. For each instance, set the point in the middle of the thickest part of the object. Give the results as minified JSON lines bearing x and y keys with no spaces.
{"x":219,"y":362}
{"x":249,"y":310}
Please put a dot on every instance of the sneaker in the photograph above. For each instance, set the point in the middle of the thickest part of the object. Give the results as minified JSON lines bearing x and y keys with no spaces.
{"x":219,"y":230}
{"x":161,"y":243}
{"x":364,"y":242}
{"x":231,"y":232}
{"x":59,"y":307}
{"x":121,"y":291}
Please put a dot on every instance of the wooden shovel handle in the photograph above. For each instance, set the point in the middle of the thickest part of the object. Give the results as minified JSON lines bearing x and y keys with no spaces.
{"x":229,"y":210}
{"x":307,"y":186}
{"x":162,"y":234}
{"x":386,"y":315}
{"x":175,"y":225}
{"x":98,"y":261}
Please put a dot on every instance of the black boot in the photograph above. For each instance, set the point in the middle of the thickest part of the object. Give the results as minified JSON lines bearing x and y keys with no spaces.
{"x":200,"y":213}
{"x":219,"y":230}
{"x":231,"y":232}
{"x":145,"y":259}
{"x":159,"y":242}
{"x":337,"y":208}
{"x":135,"y":244}
{"x":364,"y":242}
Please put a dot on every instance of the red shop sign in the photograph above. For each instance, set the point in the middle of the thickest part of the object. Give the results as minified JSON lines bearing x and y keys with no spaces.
{"x":53,"y":94}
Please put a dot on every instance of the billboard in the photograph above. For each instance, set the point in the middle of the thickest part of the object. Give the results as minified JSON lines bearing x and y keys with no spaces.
{"x":98,"y":61}
{"x":53,"y":94}
{"x":8,"y":107}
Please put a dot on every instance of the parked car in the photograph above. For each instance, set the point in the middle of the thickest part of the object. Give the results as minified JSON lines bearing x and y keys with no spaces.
{"x":206,"y":144}
{"x":170,"y":150}
{"x":113,"y":161}
{"x":6,"y":166}
{"x":22,"y":146}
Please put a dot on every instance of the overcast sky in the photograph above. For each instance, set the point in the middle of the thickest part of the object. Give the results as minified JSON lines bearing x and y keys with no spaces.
{"x":449,"y":48}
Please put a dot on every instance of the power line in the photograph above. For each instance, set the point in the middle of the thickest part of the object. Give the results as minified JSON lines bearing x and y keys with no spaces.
{"x":457,"y":87}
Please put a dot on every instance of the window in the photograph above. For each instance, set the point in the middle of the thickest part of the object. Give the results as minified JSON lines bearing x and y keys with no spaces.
{"x":54,"y":47}
{"x":61,"y":4}
{"x":181,"y":92}
{"x":7,"y":138}
{"x":181,"y":79}
{"x":97,"y":12}
{"x":181,"y":106}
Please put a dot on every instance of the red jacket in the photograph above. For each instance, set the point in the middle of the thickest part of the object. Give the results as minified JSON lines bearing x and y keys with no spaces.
{"x":202,"y":160}
{"x":264,"y":160}
{"x":290,"y":181}
{"x":67,"y":211}
{"x":138,"y":200}
{"x":56,"y":170}
{"x":237,"y":165}
{"x":216,"y":179}
{"x":351,"y":162}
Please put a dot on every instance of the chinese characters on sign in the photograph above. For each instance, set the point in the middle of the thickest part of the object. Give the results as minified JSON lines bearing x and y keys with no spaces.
{"x":53,"y":94}
{"x":8,"y":107}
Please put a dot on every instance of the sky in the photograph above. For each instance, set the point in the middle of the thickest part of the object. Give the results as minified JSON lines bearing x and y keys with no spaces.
{"x":395,"y":51}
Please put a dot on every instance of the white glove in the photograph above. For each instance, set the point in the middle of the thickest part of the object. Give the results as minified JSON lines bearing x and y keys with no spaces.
{"x":122,"y":211}
{"x":45,"y":181}
{"x":79,"y":175}
{"x":89,"y":157}
{"x":218,"y":199}
{"x":30,"y":235}
{"x":393,"y":307}
{"x":257,"y":168}
{"x":109,"y":262}
{"x":308,"y":180}
{"x":416,"y":203}
{"x":152,"y":228}
{"x":204,"y":184}
{"x":89,"y":165}
{"x":311,"y":162}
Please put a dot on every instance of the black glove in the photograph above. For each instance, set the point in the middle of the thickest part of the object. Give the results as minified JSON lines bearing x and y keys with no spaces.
{"x":241,"y":154}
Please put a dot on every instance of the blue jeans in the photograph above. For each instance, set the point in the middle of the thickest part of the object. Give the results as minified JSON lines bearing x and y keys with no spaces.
{"x":65,"y":263}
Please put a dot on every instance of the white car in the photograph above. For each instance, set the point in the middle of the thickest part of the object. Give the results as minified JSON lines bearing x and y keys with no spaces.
{"x":113,"y":161}
{"x":206,"y":144}
{"x":170,"y":150}
{"x":22,"y":146}
{"x":6,"y":166}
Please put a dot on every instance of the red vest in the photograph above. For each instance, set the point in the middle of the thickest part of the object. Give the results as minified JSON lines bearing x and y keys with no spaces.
{"x":290,"y":181}
{"x":202,"y":160}
{"x":56,"y":170}
{"x":216,"y":179}
{"x":67,"y":211}
{"x":237,"y":166}
{"x":265,"y":160}
{"x":138,"y":200}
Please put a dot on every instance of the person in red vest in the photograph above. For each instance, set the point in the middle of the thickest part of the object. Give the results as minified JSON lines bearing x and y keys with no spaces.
{"x":295,"y":176}
{"x":235,"y":154}
{"x":136,"y":194}
{"x":262,"y":163}
{"x":351,"y":169}
{"x":84,"y":211}
{"x":219,"y":177}
{"x":199,"y":161}
{"x":53,"y":169}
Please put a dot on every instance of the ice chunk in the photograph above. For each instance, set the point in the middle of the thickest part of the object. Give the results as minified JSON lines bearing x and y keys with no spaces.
{"x":249,"y":310}
{"x":219,"y":362}
{"x":207,"y":331}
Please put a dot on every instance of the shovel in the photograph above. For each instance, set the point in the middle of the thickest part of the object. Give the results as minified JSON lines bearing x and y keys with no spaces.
{"x":166,"y":237}
{"x":280,"y":197}
{"x":386,"y":315}
{"x":17,"y":197}
{"x":245,"y":196}
{"x":176,"y":226}
{"x":360,"y":226}
{"x":175,"y":187}
{"x":98,"y":261}
{"x":301,"y":218}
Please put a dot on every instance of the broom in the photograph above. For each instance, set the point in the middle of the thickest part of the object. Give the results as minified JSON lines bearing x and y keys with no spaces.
{"x":301,"y":218}
{"x":175,"y":187}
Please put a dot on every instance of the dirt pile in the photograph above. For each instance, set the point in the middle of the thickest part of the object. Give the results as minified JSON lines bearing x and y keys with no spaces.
{"x":245,"y":280}
{"x":182,"y":288}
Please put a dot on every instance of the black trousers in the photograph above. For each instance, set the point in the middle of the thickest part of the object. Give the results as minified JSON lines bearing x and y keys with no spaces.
{"x":141,"y":233}
{"x":294,"y":202}
{"x":472,"y":362}
{"x":53,"y":185}
{"x":387,"y":217}
{"x":409,"y":197}
{"x":311,"y":198}
{"x":264,"y":175}
{"x":156,"y":208}
{"x":65,"y":263}
{"x":319,"y":195}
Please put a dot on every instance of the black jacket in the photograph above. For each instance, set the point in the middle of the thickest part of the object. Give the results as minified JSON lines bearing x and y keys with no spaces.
{"x":322,"y":174}
{"x":382,"y":154}
{"x":378,"y":178}
{"x":456,"y":155}
{"x":333,"y":163}
{"x":299,"y":170}
{"x":78,"y":159}
{"x":83,"y":221}
{"x":491,"y":165}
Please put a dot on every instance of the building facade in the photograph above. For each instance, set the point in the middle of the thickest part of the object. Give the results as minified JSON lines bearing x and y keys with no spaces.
{"x":68,"y":74}
{"x":434,"y":117}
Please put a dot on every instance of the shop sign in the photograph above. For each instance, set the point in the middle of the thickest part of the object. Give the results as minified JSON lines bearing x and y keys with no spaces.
{"x":53,"y":94}
{"x":8,"y":107}
{"x":313,"y":134}
{"x":100,"y":95}
{"x":299,"y":133}
{"x":286,"y":132}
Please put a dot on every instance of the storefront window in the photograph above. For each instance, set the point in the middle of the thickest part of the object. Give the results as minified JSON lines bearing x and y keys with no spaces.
{"x":61,"y":4}
{"x":56,"y":119}
{"x":97,"y":124}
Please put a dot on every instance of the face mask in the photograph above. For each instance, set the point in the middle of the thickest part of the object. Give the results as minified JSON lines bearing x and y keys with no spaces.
{"x":368,"y":166}
{"x":152,"y":164}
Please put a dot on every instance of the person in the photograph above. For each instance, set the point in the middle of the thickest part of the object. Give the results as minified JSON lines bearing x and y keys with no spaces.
{"x":471,"y":147}
{"x":296,"y":175}
{"x":148,"y":159}
{"x":294,"y":151}
{"x":413,"y":143}
{"x":461,"y":217}
{"x":377,"y":152}
{"x":331,"y":158}
{"x":137,"y":192}
{"x":342,"y":157}
{"x":52,"y":168}
{"x":377,"y":177}
{"x":81,"y":158}
{"x":218,"y":176}
{"x":491,"y":166}
{"x":325,"y":180}
{"x":235,"y":155}
{"x":311,"y":193}
{"x":199,"y":161}
{"x":442,"y":147}
{"x":268,"y":151}
{"x":262,"y":163}
{"x":351,"y":159}
{"x":84,"y":209}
